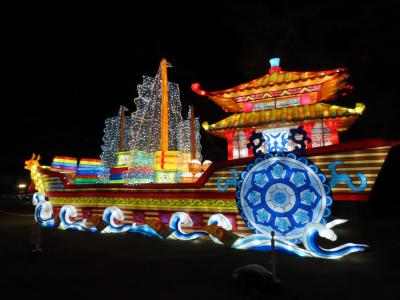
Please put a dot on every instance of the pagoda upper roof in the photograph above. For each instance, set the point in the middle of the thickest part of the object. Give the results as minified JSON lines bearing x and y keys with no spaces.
{"x":277,"y":83}
{"x":287,"y":116}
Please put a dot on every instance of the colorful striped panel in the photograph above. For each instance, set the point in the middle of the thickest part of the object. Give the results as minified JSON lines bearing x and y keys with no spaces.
{"x":81,"y":180}
{"x":83,"y":171}
{"x":117,"y":181}
{"x":88,"y":171}
{"x":64,"y":164}
{"x":116,"y":177}
{"x":90,"y":161}
{"x":66,"y":159}
{"x":118,"y":170}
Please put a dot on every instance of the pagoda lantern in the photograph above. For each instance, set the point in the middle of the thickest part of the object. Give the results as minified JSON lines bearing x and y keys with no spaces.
{"x":279,"y":101}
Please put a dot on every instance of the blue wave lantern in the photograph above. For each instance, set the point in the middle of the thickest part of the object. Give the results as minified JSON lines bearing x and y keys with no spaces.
{"x":180,"y":219}
{"x":113,"y":216}
{"x":68,"y":221}
{"x":43,"y":210}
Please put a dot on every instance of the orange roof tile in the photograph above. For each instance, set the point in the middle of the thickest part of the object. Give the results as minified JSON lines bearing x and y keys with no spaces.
{"x":277,"y":84}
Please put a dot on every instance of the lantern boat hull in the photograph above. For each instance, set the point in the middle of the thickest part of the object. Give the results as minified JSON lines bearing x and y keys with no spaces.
{"x":351,"y":168}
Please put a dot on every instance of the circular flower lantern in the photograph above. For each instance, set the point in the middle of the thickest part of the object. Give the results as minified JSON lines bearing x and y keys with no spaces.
{"x":283,"y":193}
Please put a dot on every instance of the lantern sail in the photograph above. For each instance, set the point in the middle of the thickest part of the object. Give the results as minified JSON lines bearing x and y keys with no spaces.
{"x":146,"y":130}
{"x":116,"y":137}
{"x":189,"y":136}
{"x":160,"y":145}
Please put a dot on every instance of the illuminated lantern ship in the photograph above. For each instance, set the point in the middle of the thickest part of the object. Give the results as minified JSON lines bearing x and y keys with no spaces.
{"x":150,"y":179}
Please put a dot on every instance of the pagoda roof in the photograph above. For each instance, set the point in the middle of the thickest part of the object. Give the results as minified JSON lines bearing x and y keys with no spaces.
{"x":287,"y":116}
{"x":278,"y":83}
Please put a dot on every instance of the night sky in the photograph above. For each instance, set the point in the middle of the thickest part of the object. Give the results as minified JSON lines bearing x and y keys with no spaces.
{"x":68,"y":68}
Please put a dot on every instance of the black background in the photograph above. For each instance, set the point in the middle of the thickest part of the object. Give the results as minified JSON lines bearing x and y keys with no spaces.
{"x":67,"y":67}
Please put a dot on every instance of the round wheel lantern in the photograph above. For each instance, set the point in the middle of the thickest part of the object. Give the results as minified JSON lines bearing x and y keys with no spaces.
{"x":283,"y":193}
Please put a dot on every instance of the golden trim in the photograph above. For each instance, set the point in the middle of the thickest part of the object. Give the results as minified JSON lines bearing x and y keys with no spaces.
{"x":152,"y":203}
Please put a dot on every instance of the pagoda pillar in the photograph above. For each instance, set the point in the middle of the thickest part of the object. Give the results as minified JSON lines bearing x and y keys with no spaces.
{"x":308,"y":126}
{"x":247,"y":132}
{"x":332,"y":125}
{"x":229,"y":134}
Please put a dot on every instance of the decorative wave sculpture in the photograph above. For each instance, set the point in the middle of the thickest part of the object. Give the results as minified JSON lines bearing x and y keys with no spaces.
{"x":68,"y":214}
{"x":313,"y":230}
{"x":43,"y":210}
{"x":221,"y":221}
{"x":113,"y":216}
{"x":262,"y":242}
{"x":180,"y":219}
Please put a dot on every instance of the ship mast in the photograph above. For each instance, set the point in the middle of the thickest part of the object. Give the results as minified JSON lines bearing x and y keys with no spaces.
{"x":164,"y":106}
{"x":192,"y":134}
{"x":121,"y":129}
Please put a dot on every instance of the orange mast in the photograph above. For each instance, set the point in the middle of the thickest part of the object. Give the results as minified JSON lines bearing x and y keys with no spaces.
{"x":164,"y":106}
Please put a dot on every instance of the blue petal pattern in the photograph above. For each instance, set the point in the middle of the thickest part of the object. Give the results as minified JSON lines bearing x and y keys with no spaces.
{"x":283,"y":193}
